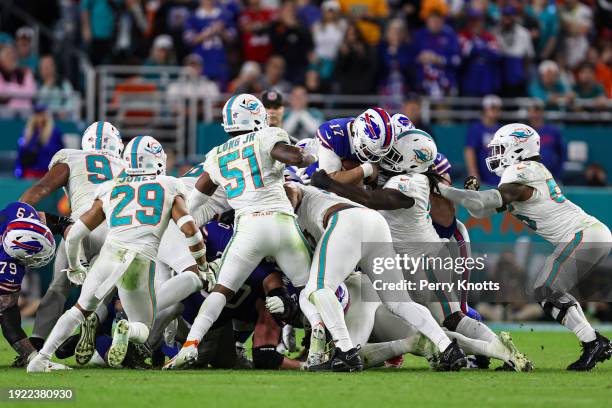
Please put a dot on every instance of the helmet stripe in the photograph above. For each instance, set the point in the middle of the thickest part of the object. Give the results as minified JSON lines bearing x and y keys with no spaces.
{"x":387,"y":121}
{"x":228,"y":111}
{"x":134,"y":153}
{"x":25,"y":226}
{"x":99,"y":130}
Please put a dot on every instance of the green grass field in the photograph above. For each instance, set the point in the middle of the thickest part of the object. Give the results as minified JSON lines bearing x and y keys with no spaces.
{"x":412,"y":386}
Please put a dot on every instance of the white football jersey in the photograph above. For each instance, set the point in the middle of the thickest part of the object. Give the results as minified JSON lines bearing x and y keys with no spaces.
{"x":138,"y":209}
{"x":87,"y":171}
{"x":548,"y":212}
{"x":313,"y":207}
{"x":409,"y":225}
{"x":252,"y":179}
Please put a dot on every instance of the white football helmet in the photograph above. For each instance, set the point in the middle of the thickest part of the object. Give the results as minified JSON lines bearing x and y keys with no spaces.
{"x":401,"y":123}
{"x":511,"y":144}
{"x":145,"y":155}
{"x":102,"y":136}
{"x":413,"y":152}
{"x":372,"y":135}
{"x":29,"y":241}
{"x":244,"y":112}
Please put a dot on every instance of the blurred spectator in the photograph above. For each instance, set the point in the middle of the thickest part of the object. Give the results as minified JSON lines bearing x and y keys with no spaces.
{"x":17,"y":85}
{"x":273,"y":102}
{"x":40,"y":140}
{"x":308,"y":13}
{"x":548,"y":17}
{"x":437,"y":50}
{"x":587,"y":87}
{"x":195,"y":85}
{"x":291,"y":40}
{"x":356,"y":64}
{"x":369,"y":16}
{"x":327,"y":36}
{"x":301,"y":121}
{"x":98,"y":29}
{"x":247,"y":80}
{"x":132,"y":25}
{"x":207,"y":31}
{"x":514,"y":42}
{"x":478,"y":137}
{"x":595,"y":175}
{"x":479,"y":74}
{"x":28,"y":58}
{"x":552,"y":148}
{"x":162,"y":52}
{"x":55,"y":92}
{"x":312,"y":82}
{"x":274,"y":75}
{"x":412,"y":109}
{"x":576,"y":22}
{"x":603,"y":69}
{"x":255,"y":23}
{"x":396,"y":59}
{"x":549,"y":87}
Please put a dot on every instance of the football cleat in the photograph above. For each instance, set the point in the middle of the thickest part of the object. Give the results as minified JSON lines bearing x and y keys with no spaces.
{"x":40,"y":364}
{"x":452,"y":359}
{"x":186,"y":357}
{"x":242,"y":360}
{"x":87,"y":341}
{"x":347,"y":361}
{"x":395,"y":362}
{"x":118,"y":349}
{"x":318,"y":362}
{"x":593,"y":352}
{"x":518,"y":361}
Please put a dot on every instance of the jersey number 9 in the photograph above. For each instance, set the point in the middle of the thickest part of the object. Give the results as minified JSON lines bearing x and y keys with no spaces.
{"x":150,"y":198}
{"x":98,"y":169}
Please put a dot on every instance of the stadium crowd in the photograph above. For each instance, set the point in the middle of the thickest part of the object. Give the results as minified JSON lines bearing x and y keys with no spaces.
{"x":552,"y":50}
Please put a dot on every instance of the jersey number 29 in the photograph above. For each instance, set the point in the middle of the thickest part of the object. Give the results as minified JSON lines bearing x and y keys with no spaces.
{"x":150,"y":197}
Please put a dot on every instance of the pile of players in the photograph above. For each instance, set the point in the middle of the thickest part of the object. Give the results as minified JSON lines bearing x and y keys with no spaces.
{"x":265,"y":236}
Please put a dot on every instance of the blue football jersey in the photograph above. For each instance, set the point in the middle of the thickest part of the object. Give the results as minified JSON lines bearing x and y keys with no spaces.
{"x":11,"y":271}
{"x":335,"y":135}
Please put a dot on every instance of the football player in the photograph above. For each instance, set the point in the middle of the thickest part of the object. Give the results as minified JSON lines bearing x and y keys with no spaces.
{"x":529,"y":192}
{"x":79,"y":172}
{"x":346,"y":142}
{"x":26,"y":243}
{"x":137,"y":208}
{"x":249,"y":167}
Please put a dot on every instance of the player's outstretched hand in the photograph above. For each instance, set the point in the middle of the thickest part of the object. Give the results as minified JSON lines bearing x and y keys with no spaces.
{"x":471,"y":183}
{"x":76,"y":276}
{"x":321,"y":179}
{"x":275,"y":305}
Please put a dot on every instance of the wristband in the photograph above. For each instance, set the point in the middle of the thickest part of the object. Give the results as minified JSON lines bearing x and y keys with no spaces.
{"x":183,"y":220}
{"x":368,"y":169}
{"x":195,"y":239}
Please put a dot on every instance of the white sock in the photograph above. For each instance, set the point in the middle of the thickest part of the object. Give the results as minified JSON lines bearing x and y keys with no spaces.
{"x":209,"y":312}
{"x":474,"y":329}
{"x":138,"y":332}
{"x":374,"y":354}
{"x":419,"y":316}
{"x":333,"y":316}
{"x":493,"y":348}
{"x":317,"y":336}
{"x":576,"y":322}
{"x":177,"y":288}
{"x":64,"y":327}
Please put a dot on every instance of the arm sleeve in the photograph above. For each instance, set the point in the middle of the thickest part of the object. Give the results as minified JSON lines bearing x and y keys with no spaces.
{"x":73,"y":243}
{"x":472,"y":200}
{"x":217,"y":204}
{"x":329,"y":160}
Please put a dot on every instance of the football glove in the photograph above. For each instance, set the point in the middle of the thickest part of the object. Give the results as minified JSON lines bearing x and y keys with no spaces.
{"x":76,"y":276}
{"x":275,"y":305}
{"x":208,"y":273}
{"x":471,"y":183}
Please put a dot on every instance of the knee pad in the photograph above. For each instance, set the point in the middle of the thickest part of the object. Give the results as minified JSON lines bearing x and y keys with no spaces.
{"x":558,"y":306}
{"x":452,"y":320}
{"x":266,"y":358}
